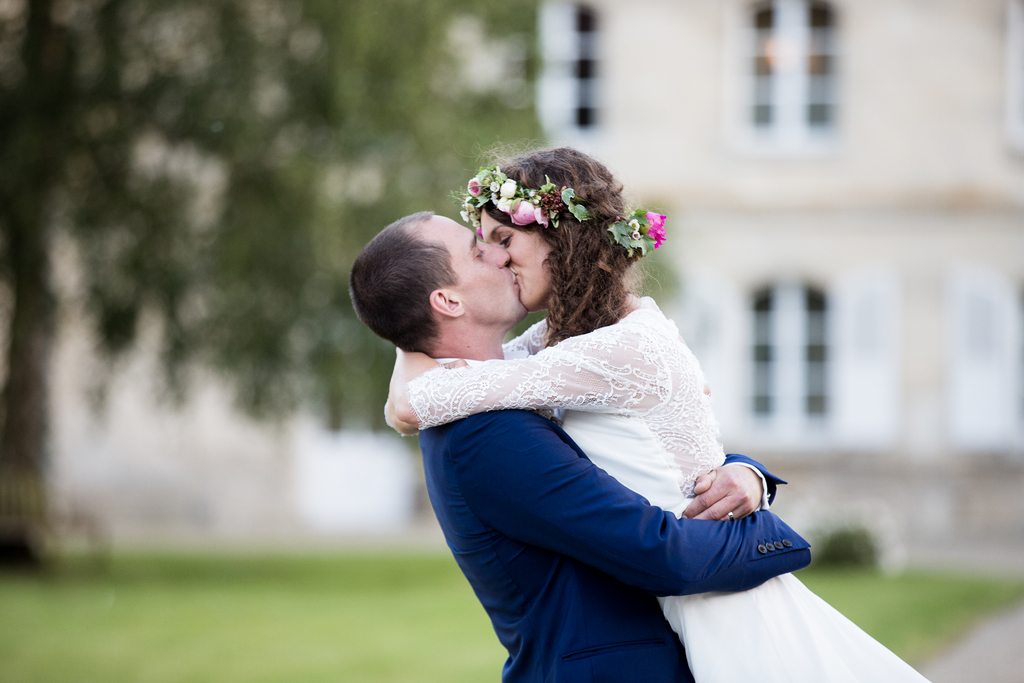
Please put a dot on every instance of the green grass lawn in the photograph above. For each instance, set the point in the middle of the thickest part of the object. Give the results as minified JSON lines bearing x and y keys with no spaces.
{"x":380,"y":618}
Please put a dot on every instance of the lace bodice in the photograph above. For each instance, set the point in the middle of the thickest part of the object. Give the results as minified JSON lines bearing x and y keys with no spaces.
{"x":638,"y":367}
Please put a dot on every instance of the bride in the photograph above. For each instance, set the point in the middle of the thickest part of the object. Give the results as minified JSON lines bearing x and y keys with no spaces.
{"x":632,"y":396}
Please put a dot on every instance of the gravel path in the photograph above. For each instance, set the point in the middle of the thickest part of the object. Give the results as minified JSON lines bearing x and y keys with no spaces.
{"x":992,"y":653}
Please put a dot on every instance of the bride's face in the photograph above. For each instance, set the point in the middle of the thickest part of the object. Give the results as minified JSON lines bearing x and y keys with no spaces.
{"x":527,"y":252}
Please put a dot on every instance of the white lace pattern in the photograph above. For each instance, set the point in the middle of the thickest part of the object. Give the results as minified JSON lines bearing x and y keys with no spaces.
{"x":638,"y":367}
{"x":528,"y":343}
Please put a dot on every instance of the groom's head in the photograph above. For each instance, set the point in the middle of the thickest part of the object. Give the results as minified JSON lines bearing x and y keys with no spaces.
{"x":425,"y":281}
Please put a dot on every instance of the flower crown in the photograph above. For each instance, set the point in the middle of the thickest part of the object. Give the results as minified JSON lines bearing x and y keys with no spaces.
{"x":638,"y":232}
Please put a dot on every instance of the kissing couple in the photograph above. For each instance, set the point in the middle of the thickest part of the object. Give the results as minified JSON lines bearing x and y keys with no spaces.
{"x":576,"y":470}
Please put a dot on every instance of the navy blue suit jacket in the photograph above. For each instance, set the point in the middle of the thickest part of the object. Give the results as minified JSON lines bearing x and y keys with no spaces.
{"x":566,"y":560}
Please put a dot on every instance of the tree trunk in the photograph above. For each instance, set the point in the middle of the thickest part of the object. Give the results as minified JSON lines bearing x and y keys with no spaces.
{"x":33,"y":153}
{"x":22,"y":498}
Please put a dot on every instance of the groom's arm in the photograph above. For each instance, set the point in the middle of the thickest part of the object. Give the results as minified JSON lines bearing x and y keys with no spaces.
{"x":520,"y":477}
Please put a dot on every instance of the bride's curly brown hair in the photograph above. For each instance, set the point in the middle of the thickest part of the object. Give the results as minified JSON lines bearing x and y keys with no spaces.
{"x":591,"y":279}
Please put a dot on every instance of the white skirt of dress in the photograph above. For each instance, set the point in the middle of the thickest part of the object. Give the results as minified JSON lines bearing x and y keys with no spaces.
{"x":779,"y":632}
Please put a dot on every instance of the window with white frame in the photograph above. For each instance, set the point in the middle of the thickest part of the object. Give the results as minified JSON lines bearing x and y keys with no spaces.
{"x":764,"y":369}
{"x":586,"y":67}
{"x":1015,"y":73}
{"x":816,"y":396}
{"x":790,"y":354}
{"x":790,"y":67}
{"x":568,"y":96}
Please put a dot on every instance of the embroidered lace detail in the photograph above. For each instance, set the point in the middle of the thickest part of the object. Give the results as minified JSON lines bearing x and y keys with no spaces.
{"x":638,"y":367}
{"x":529,"y":342}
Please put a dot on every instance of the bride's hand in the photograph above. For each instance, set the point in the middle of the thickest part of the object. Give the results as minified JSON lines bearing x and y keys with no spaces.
{"x":730,"y":488}
{"x":398,"y":410}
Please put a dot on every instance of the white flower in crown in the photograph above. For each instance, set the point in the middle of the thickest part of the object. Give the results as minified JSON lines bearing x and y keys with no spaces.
{"x":504,"y":205}
{"x":465,"y":216}
{"x":508,"y":190}
{"x":636,"y":233}
{"x":495,"y":186}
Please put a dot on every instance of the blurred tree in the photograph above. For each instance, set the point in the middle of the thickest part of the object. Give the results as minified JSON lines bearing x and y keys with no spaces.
{"x":218,"y":163}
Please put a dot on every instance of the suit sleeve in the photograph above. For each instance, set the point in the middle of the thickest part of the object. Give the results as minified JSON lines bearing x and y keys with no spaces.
{"x":770,"y":479}
{"x":520,"y":477}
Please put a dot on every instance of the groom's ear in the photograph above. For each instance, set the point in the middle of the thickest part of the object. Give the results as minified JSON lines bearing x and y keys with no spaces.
{"x":447,"y":303}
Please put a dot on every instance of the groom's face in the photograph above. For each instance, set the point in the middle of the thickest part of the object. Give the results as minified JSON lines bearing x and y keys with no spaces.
{"x":486,"y":285}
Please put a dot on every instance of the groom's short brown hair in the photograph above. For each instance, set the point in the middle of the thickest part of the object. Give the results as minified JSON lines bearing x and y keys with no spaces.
{"x":392,"y":279}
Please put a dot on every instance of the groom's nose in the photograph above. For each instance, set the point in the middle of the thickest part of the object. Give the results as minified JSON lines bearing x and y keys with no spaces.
{"x":499,"y":256}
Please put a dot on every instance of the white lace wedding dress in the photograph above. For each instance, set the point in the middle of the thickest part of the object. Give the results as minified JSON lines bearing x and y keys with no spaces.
{"x":634,"y":401}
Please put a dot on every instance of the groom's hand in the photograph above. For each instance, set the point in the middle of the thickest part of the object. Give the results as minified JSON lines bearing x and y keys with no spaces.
{"x":730,"y":488}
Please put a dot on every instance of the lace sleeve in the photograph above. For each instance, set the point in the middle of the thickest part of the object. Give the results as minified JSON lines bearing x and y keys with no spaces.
{"x":529,"y":342}
{"x":615,"y":369}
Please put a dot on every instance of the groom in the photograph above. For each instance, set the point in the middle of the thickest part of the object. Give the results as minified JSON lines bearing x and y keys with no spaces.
{"x":565,"y":560}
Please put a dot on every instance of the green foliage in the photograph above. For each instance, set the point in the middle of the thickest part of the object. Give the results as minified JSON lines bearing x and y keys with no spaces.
{"x":846,"y":547}
{"x":221,"y":162}
{"x":631,"y":234}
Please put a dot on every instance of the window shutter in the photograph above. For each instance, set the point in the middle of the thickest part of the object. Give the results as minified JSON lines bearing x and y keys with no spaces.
{"x":866,"y":372}
{"x":982,"y":368}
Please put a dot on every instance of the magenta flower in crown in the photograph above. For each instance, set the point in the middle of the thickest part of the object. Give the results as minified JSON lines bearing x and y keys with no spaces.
{"x":656,"y":229}
{"x":474,"y":187}
{"x":655,"y":220}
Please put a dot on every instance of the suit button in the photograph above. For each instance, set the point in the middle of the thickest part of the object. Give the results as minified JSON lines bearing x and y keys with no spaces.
{"x":761,"y":548}
{"x":778,"y":545}
{"x":787,"y":543}
{"x":770,"y":546}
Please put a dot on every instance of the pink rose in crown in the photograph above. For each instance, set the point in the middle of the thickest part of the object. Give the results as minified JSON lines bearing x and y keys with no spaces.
{"x":524,"y":214}
{"x":657,"y":228}
{"x":540,"y":216}
{"x":474,"y":187}
{"x":480,"y":233}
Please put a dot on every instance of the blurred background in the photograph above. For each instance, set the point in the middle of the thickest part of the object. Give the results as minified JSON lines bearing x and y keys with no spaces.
{"x":184,"y":185}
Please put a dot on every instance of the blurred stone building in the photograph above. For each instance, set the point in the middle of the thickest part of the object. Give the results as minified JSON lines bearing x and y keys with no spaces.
{"x":129,"y":464}
{"x":845,"y":185}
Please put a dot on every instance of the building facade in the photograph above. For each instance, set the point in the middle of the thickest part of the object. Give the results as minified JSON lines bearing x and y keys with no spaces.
{"x":845,"y":184}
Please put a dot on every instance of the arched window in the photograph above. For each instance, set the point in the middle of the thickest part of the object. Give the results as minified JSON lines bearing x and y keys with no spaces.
{"x":792,"y":68}
{"x":586,"y":67}
{"x":763,"y":368}
{"x":790,"y":353}
{"x":568,"y":93}
{"x":816,"y":345}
